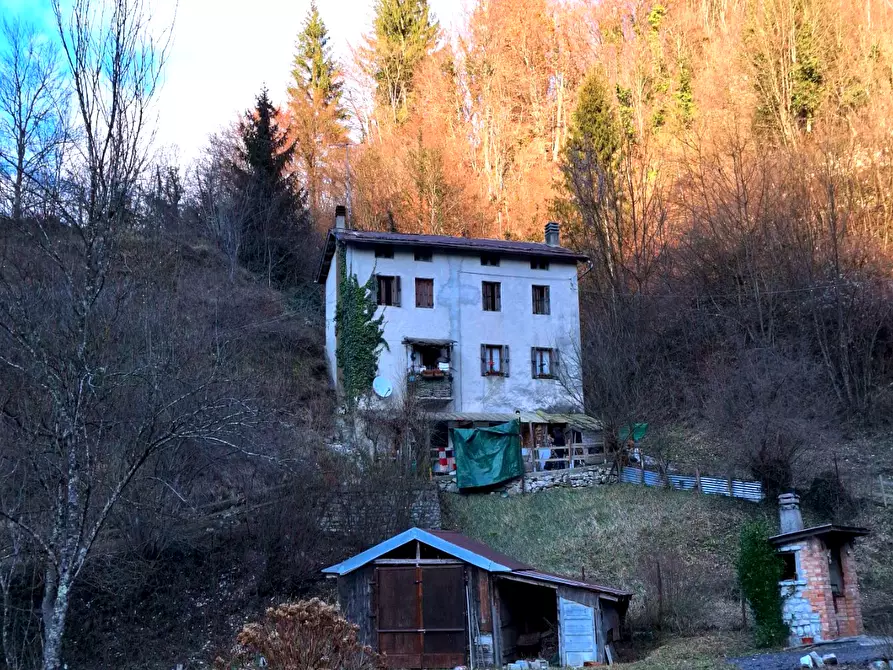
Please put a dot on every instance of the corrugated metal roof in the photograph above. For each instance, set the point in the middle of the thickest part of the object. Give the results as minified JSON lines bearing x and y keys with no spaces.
{"x":579,"y":421}
{"x":470,"y":551}
{"x":537,"y":575}
{"x":457,"y":244}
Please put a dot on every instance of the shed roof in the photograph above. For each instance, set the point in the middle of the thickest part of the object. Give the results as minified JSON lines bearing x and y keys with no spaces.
{"x":827,"y":531}
{"x":469,"y":551}
{"x":576,"y":420}
{"x":444,"y":242}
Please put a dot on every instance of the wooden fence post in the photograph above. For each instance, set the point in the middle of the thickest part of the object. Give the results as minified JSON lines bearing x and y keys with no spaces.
{"x":883,"y":492}
{"x":731,"y":490}
{"x":641,"y":468}
{"x":698,"y":480}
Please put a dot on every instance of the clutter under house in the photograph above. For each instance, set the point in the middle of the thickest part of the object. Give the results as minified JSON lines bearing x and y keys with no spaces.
{"x":438,"y":599}
{"x":819,"y":586}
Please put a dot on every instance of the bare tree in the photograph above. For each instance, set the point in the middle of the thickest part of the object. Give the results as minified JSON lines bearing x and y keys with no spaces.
{"x":102,"y":379}
{"x":33,"y":101}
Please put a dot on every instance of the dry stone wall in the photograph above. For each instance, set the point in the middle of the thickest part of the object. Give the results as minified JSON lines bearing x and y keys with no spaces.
{"x":591,"y":475}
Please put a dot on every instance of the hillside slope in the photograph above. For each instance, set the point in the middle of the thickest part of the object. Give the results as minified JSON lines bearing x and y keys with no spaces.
{"x":617,"y":535}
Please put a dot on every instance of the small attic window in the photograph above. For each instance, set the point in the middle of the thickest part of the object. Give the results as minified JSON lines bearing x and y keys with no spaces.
{"x":384,"y":251}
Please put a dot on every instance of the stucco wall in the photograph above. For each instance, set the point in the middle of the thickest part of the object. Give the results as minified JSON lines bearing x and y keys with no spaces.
{"x":457,"y":315}
{"x":331,"y":302}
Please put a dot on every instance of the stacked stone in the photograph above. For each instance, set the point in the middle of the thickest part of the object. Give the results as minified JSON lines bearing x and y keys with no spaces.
{"x":591,"y":475}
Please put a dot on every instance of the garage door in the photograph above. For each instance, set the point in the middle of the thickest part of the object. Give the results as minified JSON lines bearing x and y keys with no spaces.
{"x":421,"y":615}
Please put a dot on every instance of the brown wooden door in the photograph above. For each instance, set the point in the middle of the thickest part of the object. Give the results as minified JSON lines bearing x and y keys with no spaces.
{"x":421,"y":616}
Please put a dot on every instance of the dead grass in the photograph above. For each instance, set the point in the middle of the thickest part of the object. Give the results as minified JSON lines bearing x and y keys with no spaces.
{"x":706,"y":652}
{"x":614,"y":533}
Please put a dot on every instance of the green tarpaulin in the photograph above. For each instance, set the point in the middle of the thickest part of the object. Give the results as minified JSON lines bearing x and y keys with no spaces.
{"x":486,"y":456}
{"x":639,"y":430}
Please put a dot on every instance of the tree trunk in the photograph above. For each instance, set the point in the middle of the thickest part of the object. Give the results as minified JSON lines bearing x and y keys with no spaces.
{"x":55,"y":611}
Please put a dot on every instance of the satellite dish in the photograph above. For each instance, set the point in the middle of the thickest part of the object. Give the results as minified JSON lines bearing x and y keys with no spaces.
{"x":382,"y":387}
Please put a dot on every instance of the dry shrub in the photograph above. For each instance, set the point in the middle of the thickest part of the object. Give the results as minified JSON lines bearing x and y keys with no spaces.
{"x":305,"y":634}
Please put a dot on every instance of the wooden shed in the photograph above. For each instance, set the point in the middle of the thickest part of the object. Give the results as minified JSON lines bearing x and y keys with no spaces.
{"x":438,"y":599}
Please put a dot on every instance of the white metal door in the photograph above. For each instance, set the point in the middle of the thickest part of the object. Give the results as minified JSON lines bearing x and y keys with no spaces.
{"x":576,"y":629}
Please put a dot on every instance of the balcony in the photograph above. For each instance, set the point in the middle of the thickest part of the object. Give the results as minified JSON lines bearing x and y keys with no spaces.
{"x":431,"y":385}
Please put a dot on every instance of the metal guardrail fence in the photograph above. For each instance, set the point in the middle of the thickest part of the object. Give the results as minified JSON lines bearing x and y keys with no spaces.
{"x":734,"y":488}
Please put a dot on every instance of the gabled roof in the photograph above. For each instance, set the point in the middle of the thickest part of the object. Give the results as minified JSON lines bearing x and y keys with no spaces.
{"x":473,"y":552}
{"x":443,"y":242}
{"x":455,"y":544}
{"x":828,"y":531}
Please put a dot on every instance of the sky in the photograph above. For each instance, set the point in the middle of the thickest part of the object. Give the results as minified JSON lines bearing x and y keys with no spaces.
{"x":224,"y":51}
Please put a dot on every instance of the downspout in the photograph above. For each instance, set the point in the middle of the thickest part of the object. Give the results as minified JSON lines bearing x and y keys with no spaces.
{"x":468,"y":623}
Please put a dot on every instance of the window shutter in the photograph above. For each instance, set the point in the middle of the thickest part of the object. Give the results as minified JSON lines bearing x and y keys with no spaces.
{"x":483,"y":359}
{"x":533,"y":362}
{"x":533,"y":299}
{"x":547,"y":307}
{"x":498,"y":290}
{"x":419,"y":293}
{"x":554,"y":362}
{"x":375,"y":289}
{"x":430,"y":289}
{"x":396,"y":291}
{"x":505,"y":361}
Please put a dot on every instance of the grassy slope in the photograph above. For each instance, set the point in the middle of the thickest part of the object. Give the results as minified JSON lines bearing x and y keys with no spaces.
{"x":617,"y":533}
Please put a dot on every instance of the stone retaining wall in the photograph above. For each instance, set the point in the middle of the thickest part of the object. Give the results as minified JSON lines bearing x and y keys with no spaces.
{"x":590,"y":475}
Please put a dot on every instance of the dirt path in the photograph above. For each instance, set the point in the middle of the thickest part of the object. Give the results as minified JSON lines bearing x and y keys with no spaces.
{"x":856,"y":651}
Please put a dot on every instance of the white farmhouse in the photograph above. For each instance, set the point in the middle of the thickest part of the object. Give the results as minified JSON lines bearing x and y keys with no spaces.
{"x":480,"y":330}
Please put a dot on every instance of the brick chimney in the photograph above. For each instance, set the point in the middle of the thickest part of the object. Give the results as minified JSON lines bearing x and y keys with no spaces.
{"x":789,"y":513}
{"x":340,"y":217}
{"x":553,"y":234}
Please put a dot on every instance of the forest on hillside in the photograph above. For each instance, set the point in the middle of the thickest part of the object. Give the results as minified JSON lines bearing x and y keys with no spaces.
{"x":725,"y":165}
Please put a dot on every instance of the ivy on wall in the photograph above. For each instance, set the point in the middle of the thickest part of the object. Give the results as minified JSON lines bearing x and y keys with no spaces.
{"x":360,"y":333}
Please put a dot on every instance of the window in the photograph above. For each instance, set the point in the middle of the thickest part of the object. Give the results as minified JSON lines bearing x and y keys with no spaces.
{"x":387,"y":290}
{"x":423,"y":256}
{"x":424,"y":293}
{"x":384,"y":252}
{"x":541,"y":300}
{"x":790,"y":566}
{"x":490,"y":259}
{"x":543,"y":363}
{"x":495,"y":360}
{"x":539,"y":264}
{"x":491,"y":296}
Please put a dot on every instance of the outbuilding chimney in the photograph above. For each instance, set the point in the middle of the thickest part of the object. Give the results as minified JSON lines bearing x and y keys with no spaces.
{"x":340,"y":217}
{"x":553,"y":234}
{"x":789,"y":513}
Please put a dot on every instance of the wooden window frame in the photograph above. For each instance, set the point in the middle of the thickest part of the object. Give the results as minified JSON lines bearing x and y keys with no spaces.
{"x":423,"y":256}
{"x":486,"y":358}
{"x":490,"y":260}
{"x":395,"y":290}
{"x":539,"y":264}
{"x":535,"y":362}
{"x":427,"y":293}
{"x":491,"y":296}
{"x":543,"y":305}
{"x":384,"y":251}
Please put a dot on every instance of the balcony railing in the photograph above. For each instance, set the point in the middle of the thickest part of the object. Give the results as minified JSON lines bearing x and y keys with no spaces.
{"x":432,"y":385}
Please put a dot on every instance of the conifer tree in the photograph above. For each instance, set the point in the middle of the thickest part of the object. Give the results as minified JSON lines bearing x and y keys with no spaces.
{"x":316,"y":113}
{"x":404,"y":32}
{"x":277,"y":216}
{"x":594,"y":127}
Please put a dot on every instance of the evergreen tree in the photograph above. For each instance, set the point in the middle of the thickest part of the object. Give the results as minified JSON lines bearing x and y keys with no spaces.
{"x":594,"y":127}
{"x":315,"y":72}
{"x":316,"y":114}
{"x":277,"y":216}
{"x":404,"y":33}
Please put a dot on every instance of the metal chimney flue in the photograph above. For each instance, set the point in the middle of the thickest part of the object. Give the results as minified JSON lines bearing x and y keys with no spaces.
{"x":789,"y":513}
{"x":340,"y":217}
{"x":553,"y":234}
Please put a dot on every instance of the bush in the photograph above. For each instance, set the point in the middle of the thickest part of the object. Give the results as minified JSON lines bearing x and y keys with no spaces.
{"x":295,"y":636}
{"x":760,"y":568}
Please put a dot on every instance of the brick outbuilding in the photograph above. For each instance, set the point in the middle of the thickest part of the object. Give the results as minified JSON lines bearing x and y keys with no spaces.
{"x":820,"y":585}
